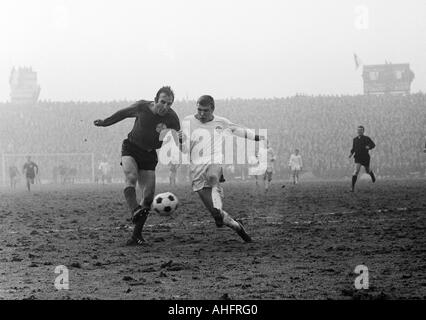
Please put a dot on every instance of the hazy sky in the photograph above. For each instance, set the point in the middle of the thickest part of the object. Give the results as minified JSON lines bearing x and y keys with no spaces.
{"x":127,"y":49}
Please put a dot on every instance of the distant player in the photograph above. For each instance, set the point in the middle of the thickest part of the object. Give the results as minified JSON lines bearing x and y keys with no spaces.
{"x":256,"y":170}
{"x":267,"y":178}
{"x":105,"y":171}
{"x":205,"y":129}
{"x":13,"y":176}
{"x":138,"y":153}
{"x":260,"y":172}
{"x":30,"y":170}
{"x":173,"y":173}
{"x":360,"y":147}
{"x":63,"y":172}
{"x":296,"y":165}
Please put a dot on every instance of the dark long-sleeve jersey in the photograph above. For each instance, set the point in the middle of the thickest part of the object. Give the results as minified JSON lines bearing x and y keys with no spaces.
{"x":359,"y":146}
{"x":30,"y":168}
{"x":147,"y":127}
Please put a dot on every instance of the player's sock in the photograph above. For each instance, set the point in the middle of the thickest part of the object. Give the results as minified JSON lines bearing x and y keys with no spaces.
{"x":218,"y":217}
{"x":217,"y":204}
{"x":242,"y":232}
{"x":226,"y":218}
{"x":130,"y":195}
{"x":147,"y":203}
{"x":373,"y":178}
{"x":354,"y":178}
{"x":139,"y":218}
{"x":228,"y":221}
{"x":137,"y":231}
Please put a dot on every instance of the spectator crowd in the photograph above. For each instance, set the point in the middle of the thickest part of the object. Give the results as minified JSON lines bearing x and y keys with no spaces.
{"x":321,"y":127}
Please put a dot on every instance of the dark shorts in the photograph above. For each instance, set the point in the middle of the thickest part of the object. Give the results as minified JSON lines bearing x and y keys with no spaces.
{"x":146,"y":160}
{"x":30,"y":175}
{"x":364,"y":161}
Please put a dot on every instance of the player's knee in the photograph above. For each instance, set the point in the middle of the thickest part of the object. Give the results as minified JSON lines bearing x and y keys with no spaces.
{"x":131,"y":178}
{"x":215,"y":212}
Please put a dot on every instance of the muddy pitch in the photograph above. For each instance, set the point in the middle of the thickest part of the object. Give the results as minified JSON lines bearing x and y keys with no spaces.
{"x":308,"y":239}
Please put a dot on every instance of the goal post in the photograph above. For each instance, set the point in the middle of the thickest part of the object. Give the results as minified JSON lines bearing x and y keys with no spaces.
{"x":53,"y":167}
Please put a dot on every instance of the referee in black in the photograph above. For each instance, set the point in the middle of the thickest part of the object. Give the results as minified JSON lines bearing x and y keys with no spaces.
{"x":360,"y":147}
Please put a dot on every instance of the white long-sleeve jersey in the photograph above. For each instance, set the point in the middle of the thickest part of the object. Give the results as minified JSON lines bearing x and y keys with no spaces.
{"x":207,"y":140}
{"x":295,"y":162}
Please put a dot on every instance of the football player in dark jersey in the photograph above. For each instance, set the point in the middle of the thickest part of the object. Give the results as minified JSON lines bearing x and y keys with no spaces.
{"x":360,"y":147}
{"x":138,"y":153}
{"x":30,"y":170}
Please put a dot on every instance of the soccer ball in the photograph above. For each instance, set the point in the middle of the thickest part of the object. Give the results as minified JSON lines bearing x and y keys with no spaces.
{"x":165,"y":203}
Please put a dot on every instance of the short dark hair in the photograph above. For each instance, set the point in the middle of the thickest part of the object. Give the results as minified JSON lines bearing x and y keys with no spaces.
{"x":166,"y":90}
{"x":361,"y":127}
{"x":206,"y":101}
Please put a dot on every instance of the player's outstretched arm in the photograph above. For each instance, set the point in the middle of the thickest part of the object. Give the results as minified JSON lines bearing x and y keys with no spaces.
{"x":243,"y":132}
{"x":129,"y":112}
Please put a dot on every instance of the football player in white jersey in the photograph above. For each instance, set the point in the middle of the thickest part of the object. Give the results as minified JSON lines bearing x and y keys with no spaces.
{"x":259,"y":171}
{"x":267,"y":178}
{"x":255,"y":169}
{"x":206,"y":159}
{"x":296,"y":165}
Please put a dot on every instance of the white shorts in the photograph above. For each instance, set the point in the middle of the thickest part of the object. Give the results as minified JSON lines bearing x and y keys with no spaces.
{"x":295,"y":168}
{"x":206,"y":176}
